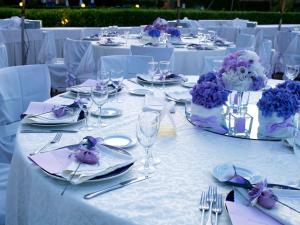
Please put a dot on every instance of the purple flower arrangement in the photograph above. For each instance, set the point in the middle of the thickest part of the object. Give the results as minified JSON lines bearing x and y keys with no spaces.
{"x":242,"y":71}
{"x":160,"y":24}
{"x":291,"y":86}
{"x":279,"y":101}
{"x":174,"y":32}
{"x":209,"y":94}
{"x":154,"y":30}
{"x":209,"y":77}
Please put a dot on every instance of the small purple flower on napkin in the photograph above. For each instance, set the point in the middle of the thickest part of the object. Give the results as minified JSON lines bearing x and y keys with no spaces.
{"x":262,"y":195}
{"x":86,"y":156}
{"x":60,"y":110}
{"x":90,"y":142}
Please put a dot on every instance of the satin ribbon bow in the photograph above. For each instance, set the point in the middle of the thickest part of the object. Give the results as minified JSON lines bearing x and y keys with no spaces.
{"x":272,"y":127}
{"x":209,"y":122}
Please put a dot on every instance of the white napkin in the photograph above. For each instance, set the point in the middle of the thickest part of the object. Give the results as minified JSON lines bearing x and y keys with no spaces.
{"x":179,"y":95}
{"x":109,"y":160}
{"x":281,"y":213}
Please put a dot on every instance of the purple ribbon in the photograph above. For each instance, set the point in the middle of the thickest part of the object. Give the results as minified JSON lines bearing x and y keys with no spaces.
{"x":272,"y":127}
{"x":60,"y":110}
{"x":71,"y":79}
{"x":210,"y":122}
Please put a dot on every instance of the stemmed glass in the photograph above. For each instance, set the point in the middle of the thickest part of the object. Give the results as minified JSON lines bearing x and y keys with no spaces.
{"x":291,"y":71}
{"x":146,"y":132}
{"x":85,"y":105}
{"x":117,"y":77}
{"x":152,"y":70}
{"x":99,"y":96}
{"x":164,"y":69}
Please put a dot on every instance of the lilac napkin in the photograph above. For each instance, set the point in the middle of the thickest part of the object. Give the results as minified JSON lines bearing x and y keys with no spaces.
{"x":36,"y":108}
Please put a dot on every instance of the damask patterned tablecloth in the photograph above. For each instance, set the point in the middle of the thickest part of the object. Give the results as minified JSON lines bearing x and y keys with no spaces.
{"x":170,"y":196}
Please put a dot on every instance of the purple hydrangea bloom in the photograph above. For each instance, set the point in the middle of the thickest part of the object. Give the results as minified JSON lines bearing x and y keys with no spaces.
{"x":148,"y":27}
{"x":154,"y":32}
{"x":291,"y":86}
{"x":279,"y":101}
{"x":174,"y":32}
{"x":209,"y":94}
{"x":208,"y":77}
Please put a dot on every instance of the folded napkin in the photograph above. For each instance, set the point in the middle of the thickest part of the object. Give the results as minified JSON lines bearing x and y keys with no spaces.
{"x":62,"y":162}
{"x":179,"y":95}
{"x":36,"y":108}
{"x":280,"y":213}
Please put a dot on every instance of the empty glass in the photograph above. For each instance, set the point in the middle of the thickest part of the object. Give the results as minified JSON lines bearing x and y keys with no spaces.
{"x":99,"y":96}
{"x":85,"y":105}
{"x":291,"y":71}
{"x":152,"y":71}
{"x":117,"y":77}
{"x":146,"y":133}
{"x":164,"y":69}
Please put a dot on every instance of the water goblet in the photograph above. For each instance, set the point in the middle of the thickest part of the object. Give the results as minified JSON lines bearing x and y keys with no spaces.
{"x":117,"y":77}
{"x":85,"y":105}
{"x":164,"y":69}
{"x":146,"y":132}
{"x":99,"y":95}
{"x":152,"y":70}
{"x":291,"y":72}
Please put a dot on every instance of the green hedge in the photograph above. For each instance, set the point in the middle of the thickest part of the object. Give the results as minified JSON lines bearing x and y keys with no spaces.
{"x":132,"y":17}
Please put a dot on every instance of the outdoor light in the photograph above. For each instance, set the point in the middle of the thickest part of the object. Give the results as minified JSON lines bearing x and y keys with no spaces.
{"x":82,"y":5}
{"x":137,"y":6}
{"x":21,"y":4}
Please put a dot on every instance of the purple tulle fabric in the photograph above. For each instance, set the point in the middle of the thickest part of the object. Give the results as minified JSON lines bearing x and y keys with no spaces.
{"x":209,"y":94}
{"x":279,"y":101}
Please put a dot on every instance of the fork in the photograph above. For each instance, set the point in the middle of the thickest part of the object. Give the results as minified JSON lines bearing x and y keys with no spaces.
{"x":203,"y":205}
{"x":54,"y":140}
{"x":217,"y":209}
{"x":211,"y":198}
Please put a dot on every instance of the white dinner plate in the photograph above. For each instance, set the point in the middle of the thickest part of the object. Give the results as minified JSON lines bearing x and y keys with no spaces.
{"x":188,"y":84}
{"x":108,"y":112}
{"x":139,"y":91}
{"x":119,"y":140}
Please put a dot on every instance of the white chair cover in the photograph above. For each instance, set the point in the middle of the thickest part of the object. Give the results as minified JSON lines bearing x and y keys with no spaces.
{"x":265,"y":54}
{"x":131,"y":65}
{"x":292,"y":53}
{"x":87,"y":67}
{"x":48,"y":49}
{"x":19,"y":86}
{"x":280,"y":46}
{"x":3,"y":56}
{"x":74,"y":52}
{"x":4,"y":172}
{"x":158,"y":53}
{"x":245,"y":42}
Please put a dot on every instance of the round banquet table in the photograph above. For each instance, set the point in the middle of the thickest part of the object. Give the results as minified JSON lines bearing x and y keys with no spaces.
{"x":184,"y":61}
{"x":170,"y":196}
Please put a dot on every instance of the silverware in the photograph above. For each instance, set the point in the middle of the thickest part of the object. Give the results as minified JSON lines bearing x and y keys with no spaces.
{"x":211,"y":198}
{"x":54,"y":140}
{"x":49,"y":131}
{"x":135,"y":82}
{"x":217,"y":209}
{"x":114,"y":187}
{"x":203,"y":205}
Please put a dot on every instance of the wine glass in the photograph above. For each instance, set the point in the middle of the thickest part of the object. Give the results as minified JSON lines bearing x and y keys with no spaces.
{"x":152,"y":70}
{"x":146,"y":132}
{"x":99,"y":96}
{"x":291,"y":71}
{"x":164,"y":69}
{"x":116,"y":78}
{"x":102,"y":77}
{"x":85,"y":105}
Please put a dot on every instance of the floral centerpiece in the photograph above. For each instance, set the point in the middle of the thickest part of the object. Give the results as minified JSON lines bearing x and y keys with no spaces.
{"x":208,"y":98}
{"x":291,"y":86}
{"x":153,"y":31}
{"x":174,"y":35}
{"x":242,"y":71}
{"x":277,"y":108}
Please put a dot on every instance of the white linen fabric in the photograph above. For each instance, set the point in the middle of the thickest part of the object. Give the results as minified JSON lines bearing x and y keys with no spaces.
{"x":131,"y":65}
{"x":158,"y":53}
{"x":245,"y":42}
{"x":170,"y":196}
{"x":292,"y":53}
{"x":48,"y":49}
{"x":78,"y":63}
{"x":212,"y":62}
{"x":266,"y":54}
{"x":3,"y":56}
{"x":19,"y":86}
{"x":4,"y":171}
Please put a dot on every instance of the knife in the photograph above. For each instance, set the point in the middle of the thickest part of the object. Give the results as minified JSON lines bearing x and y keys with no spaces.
{"x":49,"y":131}
{"x":114,"y":187}
{"x":249,"y":186}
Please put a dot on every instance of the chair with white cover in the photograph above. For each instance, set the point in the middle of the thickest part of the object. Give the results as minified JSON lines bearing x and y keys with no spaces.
{"x":266,"y":54}
{"x":131,"y":65}
{"x":280,"y":45}
{"x":19,"y":85}
{"x":3,"y":56}
{"x":292,"y":53}
{"x":158,"y":53}
{"x":245,"y":42}
{"x":48,"y":55}
{"x":79,"y":60}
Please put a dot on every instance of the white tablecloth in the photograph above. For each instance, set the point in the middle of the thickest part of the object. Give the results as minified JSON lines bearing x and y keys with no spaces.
{"x":184,"y":61}
{"x":170,"y":196}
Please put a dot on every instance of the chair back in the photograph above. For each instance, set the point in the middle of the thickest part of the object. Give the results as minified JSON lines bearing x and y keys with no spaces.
{"x":3,"y":56}
{"x":131,"y":65}
{"x":47,"y":52}
{"x":245,"y":42}
{"x":19,"y":85}
{"x":158,"y":53}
